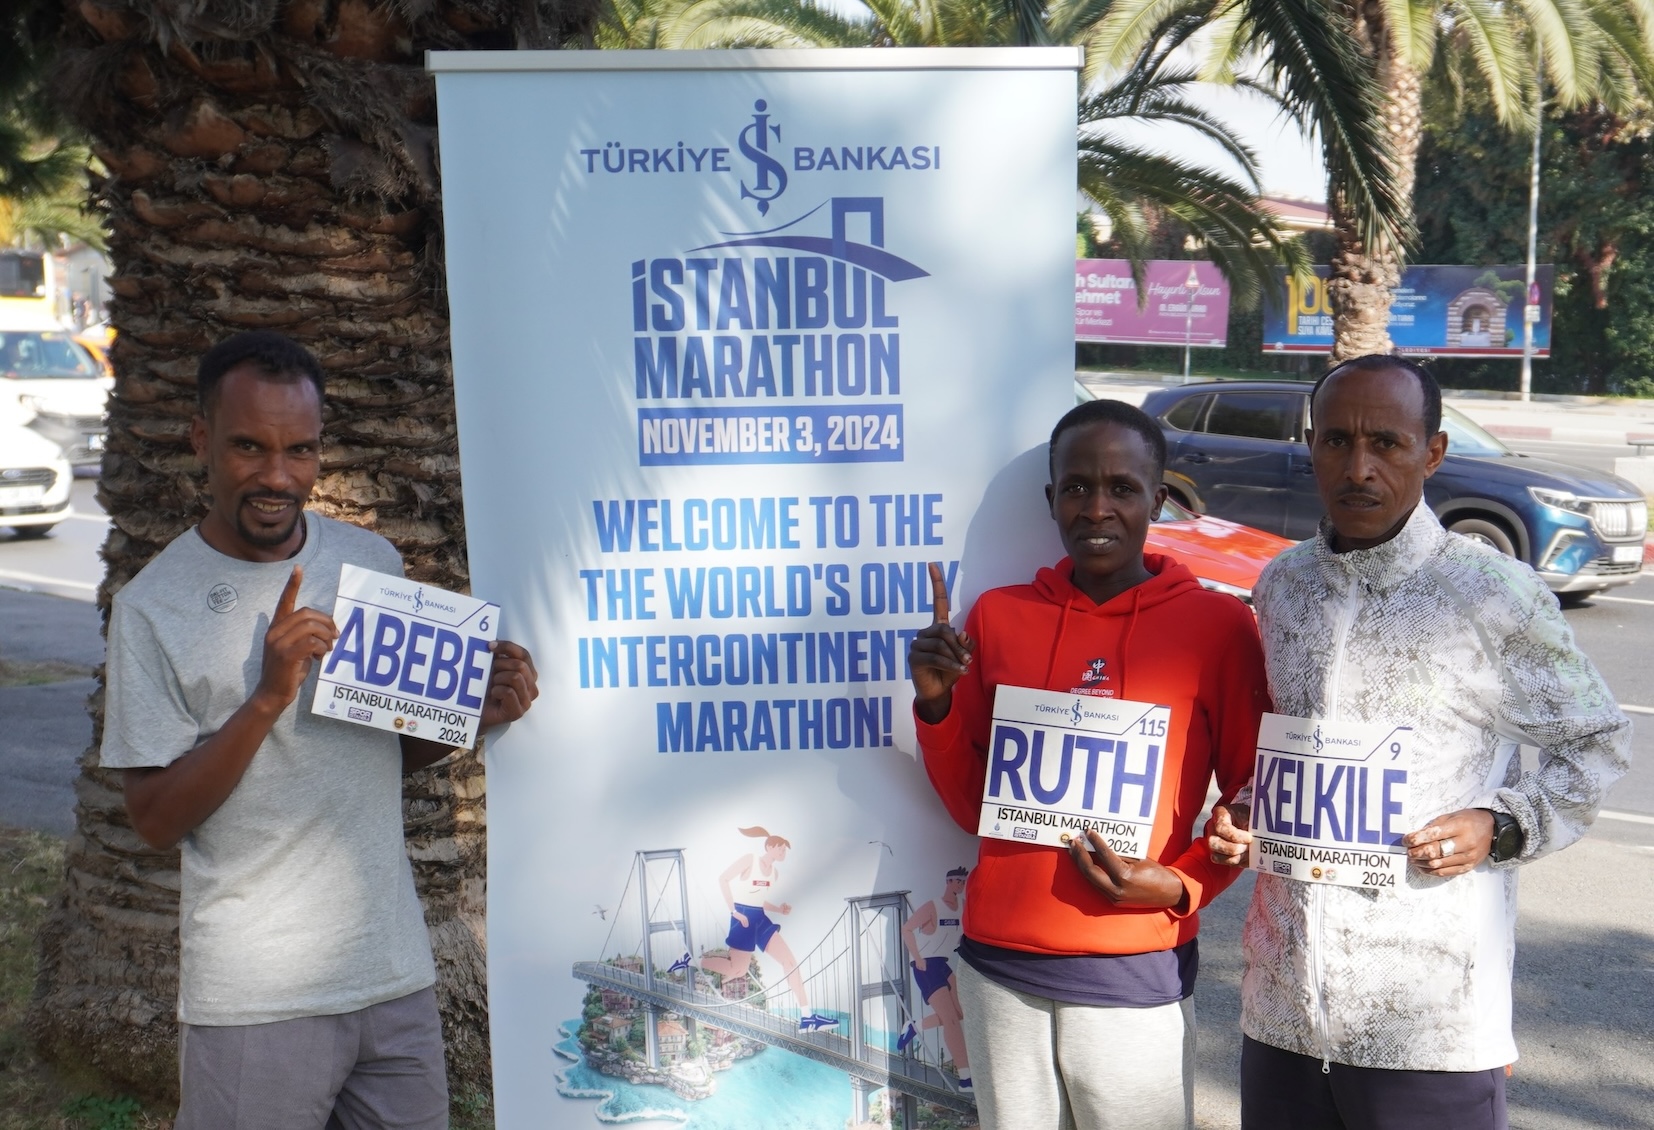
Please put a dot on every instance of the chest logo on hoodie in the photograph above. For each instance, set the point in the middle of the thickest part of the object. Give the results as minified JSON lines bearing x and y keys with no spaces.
{"x":1093,"y":672}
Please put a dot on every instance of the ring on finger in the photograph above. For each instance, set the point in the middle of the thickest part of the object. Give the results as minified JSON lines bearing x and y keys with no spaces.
{"x":1447,"y":847}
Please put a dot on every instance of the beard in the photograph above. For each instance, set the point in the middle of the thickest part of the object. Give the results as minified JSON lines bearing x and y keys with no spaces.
{"x":267,"y":536}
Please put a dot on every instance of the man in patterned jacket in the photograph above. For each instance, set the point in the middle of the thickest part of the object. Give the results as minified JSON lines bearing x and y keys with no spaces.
{"x":1390,"y":1009}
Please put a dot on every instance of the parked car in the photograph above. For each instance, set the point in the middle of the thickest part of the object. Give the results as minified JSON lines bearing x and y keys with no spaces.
{"x":34,"y":476}
{"x":1236,"y":449}
{"x":1224,"y":556}
{"x":56,"y":379}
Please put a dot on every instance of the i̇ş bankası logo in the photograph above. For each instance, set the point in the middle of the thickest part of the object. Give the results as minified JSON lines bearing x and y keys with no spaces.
{"x":745,"y":327}
{"x":769,"y":166}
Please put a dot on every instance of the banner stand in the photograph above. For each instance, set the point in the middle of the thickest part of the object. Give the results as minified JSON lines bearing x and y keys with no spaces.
{"x":741,"y":340}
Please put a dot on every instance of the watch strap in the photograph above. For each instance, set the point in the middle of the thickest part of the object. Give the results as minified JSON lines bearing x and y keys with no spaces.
{"x":1507,"y":837}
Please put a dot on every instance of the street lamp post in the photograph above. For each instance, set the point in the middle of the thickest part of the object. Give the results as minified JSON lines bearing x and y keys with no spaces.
{"x":1191,"y":287}
{"x":1530,"y":311}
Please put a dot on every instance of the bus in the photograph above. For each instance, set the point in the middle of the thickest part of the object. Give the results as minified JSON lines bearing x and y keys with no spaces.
{"x":27,"y":287}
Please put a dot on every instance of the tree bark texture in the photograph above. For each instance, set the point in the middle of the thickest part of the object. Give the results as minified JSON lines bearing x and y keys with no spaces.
{"x":271,"y":164}
{"x":1363,"y":278}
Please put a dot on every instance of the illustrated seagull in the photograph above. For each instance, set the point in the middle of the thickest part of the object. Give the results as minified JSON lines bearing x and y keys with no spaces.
{"x":602,"y":912}
{"x":885,"y":846}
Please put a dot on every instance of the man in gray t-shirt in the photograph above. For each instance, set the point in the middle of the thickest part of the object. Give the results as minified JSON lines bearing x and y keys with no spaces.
{"x":306,"y":974}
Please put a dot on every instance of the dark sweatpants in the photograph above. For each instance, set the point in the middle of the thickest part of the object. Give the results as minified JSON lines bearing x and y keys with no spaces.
{"x":1283,"y":1090}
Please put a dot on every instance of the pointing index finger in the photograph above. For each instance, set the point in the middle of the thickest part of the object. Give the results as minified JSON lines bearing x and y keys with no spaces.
{"x":290,"y":594}
{"x":938,"y":593}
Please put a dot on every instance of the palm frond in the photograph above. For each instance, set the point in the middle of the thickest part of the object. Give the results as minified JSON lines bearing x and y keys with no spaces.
{"x":1027,"y":17}
{"x":1412,"y":26}
{"x":1566,"y":36}
{"x":1498,"y":54}
{"x":1308,"y":52}
{"x":1165,"y":106}
{"x":1626,"y":32}
{"x":1128,"y":27}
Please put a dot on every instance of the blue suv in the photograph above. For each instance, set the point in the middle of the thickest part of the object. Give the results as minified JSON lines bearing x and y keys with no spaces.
{"x":1236,"y":449}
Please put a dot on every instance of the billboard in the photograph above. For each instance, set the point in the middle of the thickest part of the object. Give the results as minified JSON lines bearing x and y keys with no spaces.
{"x":741,"y":340}
{"x":1180,"y":308}
{"x":1441,"y":311}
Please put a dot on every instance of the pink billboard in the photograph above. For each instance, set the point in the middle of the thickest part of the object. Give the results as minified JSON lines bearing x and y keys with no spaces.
{"x":1187,"y":303}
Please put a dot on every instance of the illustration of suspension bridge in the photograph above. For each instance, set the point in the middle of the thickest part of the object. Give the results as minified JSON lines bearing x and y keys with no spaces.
{"x":858,"y":971}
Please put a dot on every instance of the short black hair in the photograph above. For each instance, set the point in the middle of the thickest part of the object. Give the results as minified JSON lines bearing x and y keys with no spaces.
{"x":1374,"y":362}
{"x":1110,"y":412}
{"x":958,"y":873}
{"x":275,"y":355}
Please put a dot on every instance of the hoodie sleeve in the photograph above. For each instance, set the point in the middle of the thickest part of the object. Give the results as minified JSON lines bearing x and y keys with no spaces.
{"x":1234,"y":695}
{"x":956,"y":748}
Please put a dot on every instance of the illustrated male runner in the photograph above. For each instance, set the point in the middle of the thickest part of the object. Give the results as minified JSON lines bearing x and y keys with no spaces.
{"x":941,"y":922}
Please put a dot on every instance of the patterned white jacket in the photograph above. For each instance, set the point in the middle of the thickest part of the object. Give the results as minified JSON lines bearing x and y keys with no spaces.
{"x":1467,"y":646}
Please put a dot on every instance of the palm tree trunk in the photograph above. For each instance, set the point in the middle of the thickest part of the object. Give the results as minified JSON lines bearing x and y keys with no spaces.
{"x":270,"y":165}
{"x":1364,"y":277}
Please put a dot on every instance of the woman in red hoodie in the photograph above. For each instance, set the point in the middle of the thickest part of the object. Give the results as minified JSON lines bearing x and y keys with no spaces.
{"x":1077,"y":966}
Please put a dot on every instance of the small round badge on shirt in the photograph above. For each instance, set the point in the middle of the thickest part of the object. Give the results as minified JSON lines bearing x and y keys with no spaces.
{"x":221,"y":598}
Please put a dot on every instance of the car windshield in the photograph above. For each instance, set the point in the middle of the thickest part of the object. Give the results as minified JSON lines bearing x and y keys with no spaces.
{"x":1466,"y":437}
{"x":1172,"y":512}
{"x":29,"y":354}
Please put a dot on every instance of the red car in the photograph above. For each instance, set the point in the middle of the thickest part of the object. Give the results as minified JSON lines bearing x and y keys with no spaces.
{"x":1224,"y":556}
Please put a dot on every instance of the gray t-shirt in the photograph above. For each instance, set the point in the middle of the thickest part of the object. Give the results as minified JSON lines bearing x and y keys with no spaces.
{"x":297,"y":895}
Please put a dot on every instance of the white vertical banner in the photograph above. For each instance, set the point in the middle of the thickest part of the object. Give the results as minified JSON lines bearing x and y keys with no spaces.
{"x":742,"y":340}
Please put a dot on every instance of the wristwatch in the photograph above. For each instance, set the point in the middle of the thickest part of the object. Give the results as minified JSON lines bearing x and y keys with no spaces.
{"x":1507,"y":837}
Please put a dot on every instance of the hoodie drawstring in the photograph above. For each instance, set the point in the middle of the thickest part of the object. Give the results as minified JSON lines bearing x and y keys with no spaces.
{"x":1125,"y":640}
{"x":1056,"y":644}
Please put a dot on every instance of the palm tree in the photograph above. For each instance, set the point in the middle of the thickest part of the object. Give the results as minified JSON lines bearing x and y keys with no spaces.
{"x":1591,"y":50}
{"x":269,"y":164}
{"x":1121,"y":178}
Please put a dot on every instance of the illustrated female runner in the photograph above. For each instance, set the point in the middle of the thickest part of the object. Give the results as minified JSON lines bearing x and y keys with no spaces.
{"x":750,"y":888}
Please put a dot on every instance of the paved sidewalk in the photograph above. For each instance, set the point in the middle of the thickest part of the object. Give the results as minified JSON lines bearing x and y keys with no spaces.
{"x":44,"y":726}
{"x":1560,"y":419}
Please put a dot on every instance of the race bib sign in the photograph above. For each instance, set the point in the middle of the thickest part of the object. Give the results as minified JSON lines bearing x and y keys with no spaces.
{"x":1329,"y":801}
{"x":1061,"y":765}
{"x":409,"y":658}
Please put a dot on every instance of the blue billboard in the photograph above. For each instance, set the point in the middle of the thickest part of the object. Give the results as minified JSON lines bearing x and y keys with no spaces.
{"x":1442,"y":311}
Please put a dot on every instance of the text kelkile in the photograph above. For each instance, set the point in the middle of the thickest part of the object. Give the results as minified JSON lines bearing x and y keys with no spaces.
{"x":1328,"y":802}
{"x":390,"y":655}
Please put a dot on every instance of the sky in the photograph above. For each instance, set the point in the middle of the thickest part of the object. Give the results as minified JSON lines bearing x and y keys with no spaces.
{"x":1289,"y":163}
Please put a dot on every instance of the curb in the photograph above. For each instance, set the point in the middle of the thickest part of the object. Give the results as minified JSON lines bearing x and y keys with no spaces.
{"x":1590,"y":436}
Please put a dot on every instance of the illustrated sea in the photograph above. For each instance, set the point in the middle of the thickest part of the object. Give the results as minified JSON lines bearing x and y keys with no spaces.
{"x":775,"y":1089}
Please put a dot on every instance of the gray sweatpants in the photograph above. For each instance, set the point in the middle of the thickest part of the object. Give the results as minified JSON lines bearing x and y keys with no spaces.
{"x":1039,"y":1064}
{"x":381,"y":1066}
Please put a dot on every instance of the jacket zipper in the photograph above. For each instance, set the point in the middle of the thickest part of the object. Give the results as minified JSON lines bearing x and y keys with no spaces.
{"x":1346,"y":620}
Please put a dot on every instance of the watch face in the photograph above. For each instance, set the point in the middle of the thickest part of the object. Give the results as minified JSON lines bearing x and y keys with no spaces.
{"x":1507,"y":839}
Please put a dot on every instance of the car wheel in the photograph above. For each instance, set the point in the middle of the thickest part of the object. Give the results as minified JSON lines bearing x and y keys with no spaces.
{"x":1576,"y":599}
{"x":1487,"y":532}
{"x":30,"y":533}
{"x":1182,"y":500}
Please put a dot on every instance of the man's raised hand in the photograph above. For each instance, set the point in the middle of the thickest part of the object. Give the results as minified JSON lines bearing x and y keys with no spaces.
{"x":1229,"y":835}
{"x":939,"y":655}
{"x":513,"y":685}
{"x":296,"y":638}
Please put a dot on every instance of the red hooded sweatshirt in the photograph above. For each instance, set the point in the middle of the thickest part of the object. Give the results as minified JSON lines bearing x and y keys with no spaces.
{"x":1166,"y":641}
